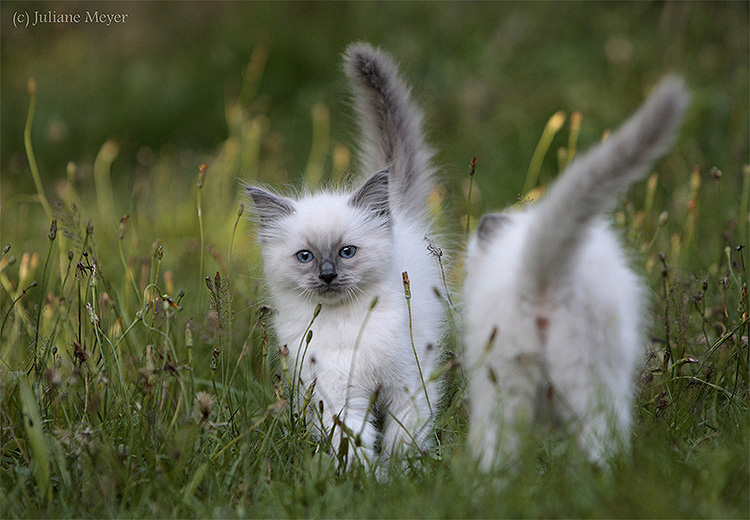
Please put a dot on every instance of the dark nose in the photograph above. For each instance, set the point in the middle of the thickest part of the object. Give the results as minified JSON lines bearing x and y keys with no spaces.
{"x":328,"y":277}
{"x":328,"y":272}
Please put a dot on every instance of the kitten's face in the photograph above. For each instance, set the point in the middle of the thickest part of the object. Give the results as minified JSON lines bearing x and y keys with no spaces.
{"x":326,"y":247}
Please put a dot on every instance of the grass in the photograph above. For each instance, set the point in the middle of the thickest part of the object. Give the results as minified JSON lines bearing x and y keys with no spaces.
{"x":139,"y":376}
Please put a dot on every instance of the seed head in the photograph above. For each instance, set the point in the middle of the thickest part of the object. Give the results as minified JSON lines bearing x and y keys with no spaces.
{"x":492,"y":376}
{"x":54,"y":378}
{"x":407,"y":288}
{"x":79,"y":352}
{"x":93,"y":318}
{"x":123,"y":221}
{"x":53,"y":229}
{"x":92,"y":280}
{"x":201,"y":175}
{"x":663,"y":217}
{"x":203,"y":404}
{"x":472,"y":166}
{"x":434,"y":250}
{"x":189,"y":334}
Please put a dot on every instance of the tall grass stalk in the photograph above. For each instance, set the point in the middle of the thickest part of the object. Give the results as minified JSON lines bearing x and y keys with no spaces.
{"x":31,"y":85}
{"x":472,"y":170}
{"x":407,"y":295}
{"x":575,"y":130}
{"x":103,"y":182}
{"x":13,"y":304}
{"x":39,"y":451}
{"x":554,"y":124}
{"x":201,"y":180}
{"x":52,"y":236}
{"x":692,"y":215}
{"x":230,"y":318}
{"x":126,"y":267}
{"x":299,"y":361}
{"x":320,"y":144}
{"x":355,"y":351}
{"x":745,"y":204}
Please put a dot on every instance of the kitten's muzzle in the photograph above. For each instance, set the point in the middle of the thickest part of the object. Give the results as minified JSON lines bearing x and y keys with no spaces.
{"x":328,"y":272}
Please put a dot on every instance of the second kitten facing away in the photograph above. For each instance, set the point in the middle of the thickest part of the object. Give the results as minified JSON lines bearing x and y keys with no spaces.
{"x":334,"y":263}
{"x":553,"y":312}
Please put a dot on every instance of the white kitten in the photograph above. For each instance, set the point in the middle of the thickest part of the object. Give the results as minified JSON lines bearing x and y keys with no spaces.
{"x":348,"y":250}
{"x":553,"y":313}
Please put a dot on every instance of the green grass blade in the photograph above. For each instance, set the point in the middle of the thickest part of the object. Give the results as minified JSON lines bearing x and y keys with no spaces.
{"x":32,"y":423}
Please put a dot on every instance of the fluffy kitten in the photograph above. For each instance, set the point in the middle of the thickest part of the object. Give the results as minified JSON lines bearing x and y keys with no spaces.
{"x":347,"y":250}
{"x":553,"y":313}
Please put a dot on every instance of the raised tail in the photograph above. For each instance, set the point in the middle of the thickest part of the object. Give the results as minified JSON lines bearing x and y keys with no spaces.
{"x":590,"y":185}
{"x":391,"y":128}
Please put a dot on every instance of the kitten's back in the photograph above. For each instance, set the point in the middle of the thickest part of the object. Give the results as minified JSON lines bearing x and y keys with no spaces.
{"x":590,"y":185}
{"x":588,"y":188}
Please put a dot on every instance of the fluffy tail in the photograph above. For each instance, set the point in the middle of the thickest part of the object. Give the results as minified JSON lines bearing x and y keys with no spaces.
{"x":391,"y":128}
{"x":589,"y":186}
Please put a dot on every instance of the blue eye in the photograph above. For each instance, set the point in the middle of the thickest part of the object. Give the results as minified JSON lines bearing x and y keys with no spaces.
{"x":304,"y":256}
{"x":347,"y":251}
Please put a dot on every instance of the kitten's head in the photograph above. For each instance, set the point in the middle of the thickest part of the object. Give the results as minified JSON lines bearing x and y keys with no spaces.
{"x":326,"y":247}
{"x":489,"y":228}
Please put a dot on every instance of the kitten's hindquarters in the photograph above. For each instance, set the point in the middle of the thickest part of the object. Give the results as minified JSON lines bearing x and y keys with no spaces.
{"x":571,"y":357}
{"x":553,"y":312}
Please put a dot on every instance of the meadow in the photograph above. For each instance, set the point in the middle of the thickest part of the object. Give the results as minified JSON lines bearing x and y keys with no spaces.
{"x":139,"y":376}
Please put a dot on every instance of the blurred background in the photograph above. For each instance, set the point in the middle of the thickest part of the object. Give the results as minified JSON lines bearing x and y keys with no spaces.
{"x":256,"y":90}
{"x":124,"y":115}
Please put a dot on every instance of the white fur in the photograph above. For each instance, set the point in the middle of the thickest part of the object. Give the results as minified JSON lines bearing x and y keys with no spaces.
{"x":587,"y":355}
{"x":383,"y":356}
{"x":553,"y":313}
{"x":361,"y":355}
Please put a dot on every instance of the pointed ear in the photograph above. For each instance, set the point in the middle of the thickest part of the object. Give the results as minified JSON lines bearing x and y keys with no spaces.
{"x":269,"y":207}
{"x":489,"y":225}
{"x":374,"y":195}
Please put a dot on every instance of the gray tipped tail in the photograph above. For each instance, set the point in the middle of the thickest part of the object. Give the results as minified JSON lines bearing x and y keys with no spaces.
{"x":391,"y":128}
{"x":590,"y":185}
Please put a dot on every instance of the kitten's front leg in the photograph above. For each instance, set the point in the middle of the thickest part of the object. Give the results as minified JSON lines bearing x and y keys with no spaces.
{"x":346,"y":418}
{"x":409,"y":417}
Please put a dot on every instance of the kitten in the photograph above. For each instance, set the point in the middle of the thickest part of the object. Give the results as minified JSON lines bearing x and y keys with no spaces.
{"x":553,"y":313}
{"x":369,"y":351}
